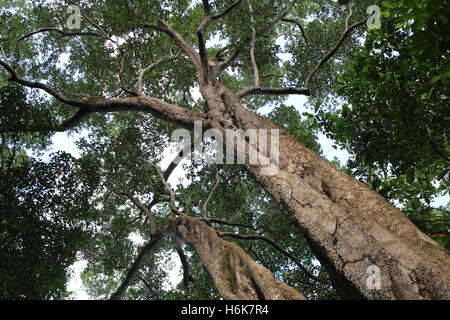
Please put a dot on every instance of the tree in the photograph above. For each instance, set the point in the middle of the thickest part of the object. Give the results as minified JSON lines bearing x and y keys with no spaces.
{"x":130,"y":69}
{"x":394,"y":118}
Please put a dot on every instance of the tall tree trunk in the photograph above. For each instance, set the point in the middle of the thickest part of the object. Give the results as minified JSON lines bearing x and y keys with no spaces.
{"x":235,"y":274}
{"x":352,"y":229}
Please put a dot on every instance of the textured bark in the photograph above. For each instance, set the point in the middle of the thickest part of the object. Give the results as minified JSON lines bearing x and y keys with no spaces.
{"x":235,"y":274}
{"x":348,"y":226}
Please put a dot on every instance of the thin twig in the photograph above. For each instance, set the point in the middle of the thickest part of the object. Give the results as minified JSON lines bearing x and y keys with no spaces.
{"x":205,"y":205}
{"x":252,"y":46}
{"x":173,"y":207}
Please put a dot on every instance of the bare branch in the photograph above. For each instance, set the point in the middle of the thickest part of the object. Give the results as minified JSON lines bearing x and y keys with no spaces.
{"x":122,"y":80}
{"x":152,"y":66}
{"x":223,"y":222}
{"x":252,"y":45}
{"x":53,"y":29}
{"x":173,"y":207}
{"x":276,"y":246}
{"x":145,"y":282}
{"x":142,"y":208}
{"x":205,"y":205}
{"x":149,"y":247}
{"x":259,"y":32}
{"x":273,"y":91}
{"x":4,"y":55}
{"x":201,"y":41}
{"x":62,"y":32}
{"x":38,"y":85}
{"x":187,"y":277}
{"x":349,"y":16}
{"x":299,"y":26}
{"x":326,"y":57}
{"x":181,"y":43}
{"x":157,"y":107}
{"x":227,"y":10}
{"x":90,"y":21}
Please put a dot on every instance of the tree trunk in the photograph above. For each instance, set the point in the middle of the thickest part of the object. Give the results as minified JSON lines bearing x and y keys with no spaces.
{"x":235,"y":274}
{"x":352,"y":229}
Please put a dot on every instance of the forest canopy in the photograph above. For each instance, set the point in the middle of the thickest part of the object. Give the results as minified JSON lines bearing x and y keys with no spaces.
{"x":132,"y":72}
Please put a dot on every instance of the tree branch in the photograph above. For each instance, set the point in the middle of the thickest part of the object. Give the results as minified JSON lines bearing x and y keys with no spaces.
{"x":38,"y":85}
{"x":299,"y":26}
{"x":232,"y":224}
{"x":173,"y":207}
{"x":273,"y":91}
{"x":145,"y":282}
{"x":276,"y":246}
{"x":122,"y":68}
{"x":142,"y":208}
{"x":53,"y":29}
{"x":201,"y":41}
{"x":205,"y":205}
{"x":149,"y":247}
{"x":326,"y":57}
{"x":143,"y":72}
{"x":259,"y":32}
{"x":181,"y":43}
{"x":187,"y":277}
{"x":227,"y":10}
{"x":252,"y":45}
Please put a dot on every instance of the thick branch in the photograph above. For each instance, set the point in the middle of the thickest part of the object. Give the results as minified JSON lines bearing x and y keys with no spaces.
{"x":182,"y":44}
{"x":235,"y":274}
{"x":187,"y":277}
{"x":154,"y":106}
{"x":117,"y":266}
{"x":201,"y":40}
{"x":276,"y":246}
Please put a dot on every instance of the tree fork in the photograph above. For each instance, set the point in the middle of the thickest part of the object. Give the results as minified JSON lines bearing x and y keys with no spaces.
{"x":235,"y":274}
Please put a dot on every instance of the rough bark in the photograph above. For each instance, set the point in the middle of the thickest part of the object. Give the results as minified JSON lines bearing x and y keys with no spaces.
{"x":348,"y":226}
{"x":235,"y":274}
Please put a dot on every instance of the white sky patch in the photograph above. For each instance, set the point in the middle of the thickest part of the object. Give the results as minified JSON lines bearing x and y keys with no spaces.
{"x":75,"y":283}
